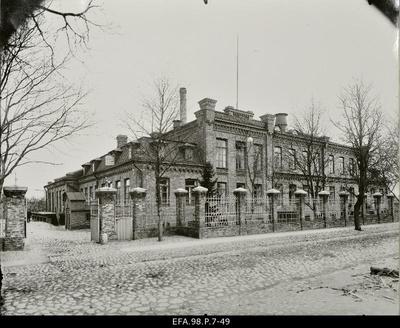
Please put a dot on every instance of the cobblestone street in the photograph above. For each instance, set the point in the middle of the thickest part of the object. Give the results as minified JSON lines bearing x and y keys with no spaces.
{"x":63,"y":273}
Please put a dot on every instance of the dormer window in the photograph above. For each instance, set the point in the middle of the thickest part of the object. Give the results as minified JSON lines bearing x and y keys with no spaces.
{"x":109,"y":160}
{"x":189,"y":154}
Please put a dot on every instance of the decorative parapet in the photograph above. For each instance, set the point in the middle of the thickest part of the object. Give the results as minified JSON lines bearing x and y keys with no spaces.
{"x":207,"y":104}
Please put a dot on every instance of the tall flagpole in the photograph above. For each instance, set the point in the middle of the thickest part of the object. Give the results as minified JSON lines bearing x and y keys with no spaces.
{"x":237,"y":72}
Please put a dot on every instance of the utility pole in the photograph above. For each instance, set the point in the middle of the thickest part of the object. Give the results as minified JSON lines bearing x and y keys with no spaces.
{"x":237,"y":72}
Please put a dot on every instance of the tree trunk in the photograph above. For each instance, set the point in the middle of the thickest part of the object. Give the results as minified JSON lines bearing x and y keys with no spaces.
{"x":357,"y":206}
{"x":158,"y":202}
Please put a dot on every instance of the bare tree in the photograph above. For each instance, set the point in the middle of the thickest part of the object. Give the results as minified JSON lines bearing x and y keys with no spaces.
{"x":158,"y":146}
{"x":39,"y":106}
{"x":388,"y":155}
{"x":304,"y":154}
{"x":362,"y":129}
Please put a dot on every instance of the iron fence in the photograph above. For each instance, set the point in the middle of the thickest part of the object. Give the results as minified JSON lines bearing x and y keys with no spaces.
{"x":221,"y":211}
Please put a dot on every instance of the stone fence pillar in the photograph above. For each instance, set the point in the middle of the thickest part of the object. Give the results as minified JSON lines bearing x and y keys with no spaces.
{"x":301,"y":195}
{"x":138,"y":196}
{"x":390,"y":198}
{"x":240,"y":194}
{"x":273,"y":195}
{"x":344,"y":197}
{"x":14,"y":213}
{"x":200,"y":194}
{"x":324,"y":194}
{"x":181,"y":196}
{"x":106,"y":197}
{"x":377,"y":198}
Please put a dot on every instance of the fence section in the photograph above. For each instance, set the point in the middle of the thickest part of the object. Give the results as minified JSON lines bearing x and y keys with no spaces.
{"x":221,"y":211}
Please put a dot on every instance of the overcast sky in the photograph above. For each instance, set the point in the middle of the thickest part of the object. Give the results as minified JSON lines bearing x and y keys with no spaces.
{"x":289,"y":51}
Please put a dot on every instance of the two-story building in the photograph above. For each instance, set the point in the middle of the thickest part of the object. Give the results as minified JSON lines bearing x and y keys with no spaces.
{"x":257,"y":154}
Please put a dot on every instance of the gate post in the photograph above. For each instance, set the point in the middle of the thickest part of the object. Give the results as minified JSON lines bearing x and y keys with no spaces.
{"x":300,"y":195}
{"x":273,"y":194}
{"x":324,"y":194}
{"x":200,"y":194}
{"x":180,"y":195}
{"x":138,"y":196}
{"x":377,"y":197}
{"x":240,"y":194}
{"x":344,"y":196}
{"x":106,"y":197}
{"x":391,"y":207}
{"x":14,"y":213}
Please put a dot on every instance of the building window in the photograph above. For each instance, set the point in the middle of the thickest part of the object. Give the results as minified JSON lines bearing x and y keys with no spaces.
{"x":91,"y":192}
{"x":222,"y":153}
{"x":109,"y":160}
{"x":257,"y":192}
{"x":332,"y":192}
{"x":257,"y":157}
{"x":221,"y":189}
{"x":341,"y":165}
{"x":317,"y":164}
{"x":127,"y":184}
{"x":118,"y":187}
{"x":240,"y":150}
{"x":292,"y":190}
{"x":331,"y":164}
{"x":278,"y":157}
{"x":164,"y":189}
{"x":305,"y":159}
{"x":189,"y":185}
{"x":352,"y":167}
{"x":189,"y":154}
{"x":292,"y":159}
{"x":86,"y":193}
{"x":240,"y":185}
{"x":352,"y":196}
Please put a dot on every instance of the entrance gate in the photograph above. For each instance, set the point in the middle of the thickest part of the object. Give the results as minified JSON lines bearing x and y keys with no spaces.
{"x":124,"y":220}
{"x":94,"y":221}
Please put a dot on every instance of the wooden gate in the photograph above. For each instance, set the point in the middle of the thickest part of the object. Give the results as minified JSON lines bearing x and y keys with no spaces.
{"x":123,"y":220}
{"x":94,"y":221}
{"x":124,"y":228}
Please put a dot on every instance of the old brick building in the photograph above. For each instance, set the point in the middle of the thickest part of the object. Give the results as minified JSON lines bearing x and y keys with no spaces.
{"x":257,"y":154}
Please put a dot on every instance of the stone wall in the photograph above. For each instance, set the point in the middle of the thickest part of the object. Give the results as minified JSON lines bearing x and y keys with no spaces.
{"x":79,"y":220}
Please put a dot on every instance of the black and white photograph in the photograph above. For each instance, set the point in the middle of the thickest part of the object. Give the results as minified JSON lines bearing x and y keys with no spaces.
{"x":199,"y":162}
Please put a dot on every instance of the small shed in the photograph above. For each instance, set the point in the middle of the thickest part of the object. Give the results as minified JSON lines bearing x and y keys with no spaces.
{"x":77,"y":213}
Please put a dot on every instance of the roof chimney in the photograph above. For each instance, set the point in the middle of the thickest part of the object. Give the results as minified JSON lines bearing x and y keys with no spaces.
{"x":121,"y":140}
{"x":182,"y":93}
{"x":177,"y":124}
{"x":280,"y":121}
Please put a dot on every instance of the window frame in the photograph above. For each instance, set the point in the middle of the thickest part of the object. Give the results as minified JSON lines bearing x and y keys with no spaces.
{"x":222,"y":153}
